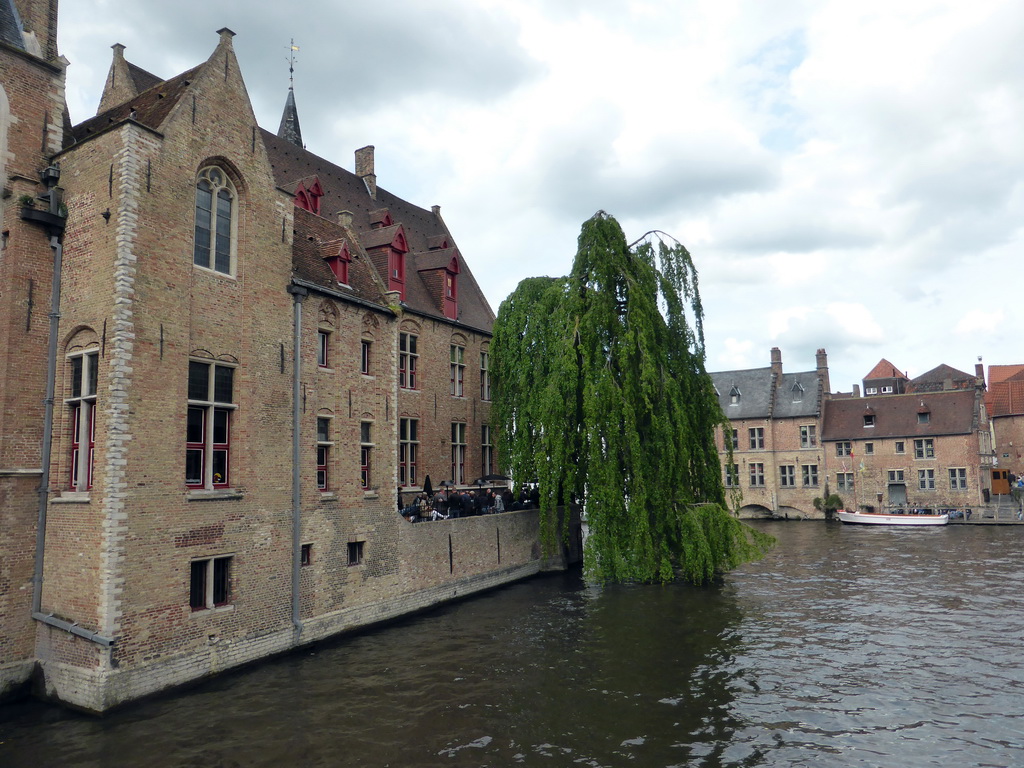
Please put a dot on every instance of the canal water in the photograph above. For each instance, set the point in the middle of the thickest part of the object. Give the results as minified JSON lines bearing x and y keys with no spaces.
{"x":845,"y":646}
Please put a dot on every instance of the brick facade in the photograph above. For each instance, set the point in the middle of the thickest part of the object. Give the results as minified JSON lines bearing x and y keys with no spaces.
{"x":775,"y":427}
{"x":175,"y":522}
{"x":31,"y":129}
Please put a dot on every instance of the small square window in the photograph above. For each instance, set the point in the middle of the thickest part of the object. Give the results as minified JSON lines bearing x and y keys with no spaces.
{"x":209,"y":583}
{"x":355,"y":552}
{"x":901,"y":447}
{"x":869,"y":449}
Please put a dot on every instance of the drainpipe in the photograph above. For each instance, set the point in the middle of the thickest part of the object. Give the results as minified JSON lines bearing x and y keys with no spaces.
{"x":51,"y":375}
{"x":53,"y":220}
{"x":298,"y":294}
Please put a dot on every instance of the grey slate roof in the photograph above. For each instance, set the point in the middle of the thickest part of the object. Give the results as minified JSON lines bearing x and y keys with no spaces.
{"x":289,"y":129}
{"x":10,"y":25}
{"x":761,"y":397}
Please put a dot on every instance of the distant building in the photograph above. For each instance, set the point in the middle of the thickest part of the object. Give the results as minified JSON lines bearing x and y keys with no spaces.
{"x":929,"y":448}
{"x":1005,"y":403}
{"x":885,"y":379}
{"x":775,"y":432}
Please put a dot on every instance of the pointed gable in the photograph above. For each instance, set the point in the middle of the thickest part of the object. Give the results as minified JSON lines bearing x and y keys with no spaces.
{"x":884,"y":370}
{"x":939,"y":378}
{"x":150,"y":108}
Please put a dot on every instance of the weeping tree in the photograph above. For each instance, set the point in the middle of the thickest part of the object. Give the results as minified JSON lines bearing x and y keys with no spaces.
{"x":603,"y":399}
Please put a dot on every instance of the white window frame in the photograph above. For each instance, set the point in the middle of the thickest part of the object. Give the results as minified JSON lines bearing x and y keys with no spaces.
{"x":82,"y":408}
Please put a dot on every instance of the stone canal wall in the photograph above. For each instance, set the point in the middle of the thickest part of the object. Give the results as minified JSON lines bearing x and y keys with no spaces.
{"x":438,"y":562}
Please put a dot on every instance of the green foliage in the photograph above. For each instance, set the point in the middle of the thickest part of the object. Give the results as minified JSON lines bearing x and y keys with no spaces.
{"x":603,"y":397}
{"x":829,"y":504}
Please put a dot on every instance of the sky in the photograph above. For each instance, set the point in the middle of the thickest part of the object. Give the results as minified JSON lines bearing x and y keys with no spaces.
{"x":846,"y":176}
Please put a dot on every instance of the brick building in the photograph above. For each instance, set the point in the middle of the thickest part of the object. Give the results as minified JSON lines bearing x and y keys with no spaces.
{"x":775,"y":428}
{"x":1004,"y":400}
{"x":927,"y":448}
{"x":31,"y":130}
{"x":255,"y":349}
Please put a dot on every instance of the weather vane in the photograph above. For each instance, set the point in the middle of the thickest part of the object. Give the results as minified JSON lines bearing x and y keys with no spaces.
{"x":292,"y":49}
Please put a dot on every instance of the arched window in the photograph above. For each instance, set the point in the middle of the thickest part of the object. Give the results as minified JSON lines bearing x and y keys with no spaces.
{"x":215,"y":221}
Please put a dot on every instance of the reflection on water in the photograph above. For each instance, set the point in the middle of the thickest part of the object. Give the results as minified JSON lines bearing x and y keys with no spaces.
{"x":844,"y":647}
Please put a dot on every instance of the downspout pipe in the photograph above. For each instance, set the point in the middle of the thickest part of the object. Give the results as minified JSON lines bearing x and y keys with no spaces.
{"x":298,"y":294}
{"x":51,"y":376}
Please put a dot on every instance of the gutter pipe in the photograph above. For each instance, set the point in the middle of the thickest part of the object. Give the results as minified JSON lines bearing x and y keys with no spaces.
{"x":53,"y":221}
{"x":298,"y":294}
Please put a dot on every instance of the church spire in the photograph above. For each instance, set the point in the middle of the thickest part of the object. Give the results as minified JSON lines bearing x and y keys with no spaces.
{"x":289,"y":129}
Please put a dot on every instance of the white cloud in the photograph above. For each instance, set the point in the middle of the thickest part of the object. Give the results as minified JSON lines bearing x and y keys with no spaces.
{"x":847,"y":176}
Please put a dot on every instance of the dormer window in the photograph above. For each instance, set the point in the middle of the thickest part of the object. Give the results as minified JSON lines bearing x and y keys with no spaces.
{"x":380,"y":218}
{"x":798,"y":392}
{"x":734,"y":396}
{"x":308,"y":198}
{"x":924,"y":416}
{"x":339,"y":263}
{"x":869,"y":419}
{"x":451,"y":289}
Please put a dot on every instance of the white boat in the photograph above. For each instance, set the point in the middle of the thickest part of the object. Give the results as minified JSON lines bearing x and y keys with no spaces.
{"x":893,"y":518}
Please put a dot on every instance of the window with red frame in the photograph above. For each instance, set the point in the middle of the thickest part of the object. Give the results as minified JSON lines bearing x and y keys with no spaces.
{"x":323,"y":452}
{"x":208,"y":426}
{"x":458,"y":452}
{"x":365,"y":454}
{"x":485,"y":375}
{"x":458,"y":370}
{"x":408,"y":447}
{"x":407,"y":358}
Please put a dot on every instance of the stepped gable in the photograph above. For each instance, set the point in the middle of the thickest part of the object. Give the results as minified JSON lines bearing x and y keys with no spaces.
{"x":935,"y":380}
{"x":896,"y":416}
{"x":149,"y":108}
{"x":344,"y":191}
{"x":317,"y":238}
{"x":754,"y":386}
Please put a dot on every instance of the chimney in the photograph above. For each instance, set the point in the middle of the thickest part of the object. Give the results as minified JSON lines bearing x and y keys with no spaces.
{"x":856,"y":390}
{"x":436,"y":210}
{"x":979,"y":372}
{"x":776,"y":361}
{"x":345,"y":218}
{"x":364,"y":169}
{"x":821,"y":360}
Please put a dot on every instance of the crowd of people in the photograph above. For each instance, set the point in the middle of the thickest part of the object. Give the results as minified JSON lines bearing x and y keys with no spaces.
{"x":445,"y":504}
